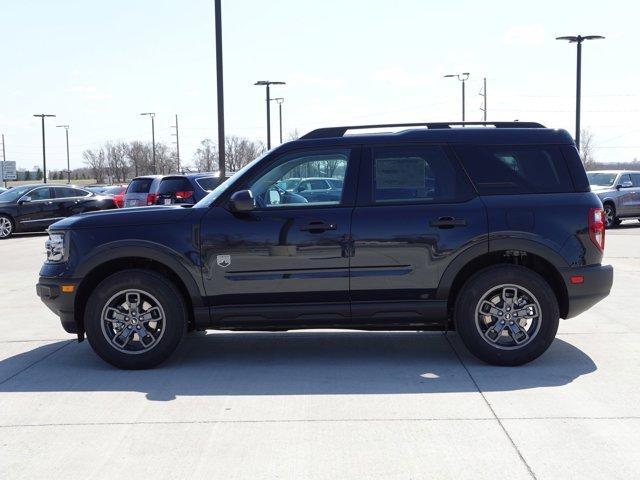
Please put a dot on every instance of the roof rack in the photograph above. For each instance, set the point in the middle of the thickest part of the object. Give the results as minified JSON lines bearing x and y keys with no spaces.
{"x":340,"y":131}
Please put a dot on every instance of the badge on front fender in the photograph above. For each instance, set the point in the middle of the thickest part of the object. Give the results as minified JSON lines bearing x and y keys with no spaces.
{"x":224,"y":260}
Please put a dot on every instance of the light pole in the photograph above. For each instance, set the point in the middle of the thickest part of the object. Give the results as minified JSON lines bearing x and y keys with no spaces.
{"x":153,"y":138}
{"x":44,"y":152}
{"x":220,"y":91}
{"x":578,"y":41}
{"x":463,"y":77}
{"x":268,"y":83}
{"x":279,"y":101}
{"x":66,"y":132}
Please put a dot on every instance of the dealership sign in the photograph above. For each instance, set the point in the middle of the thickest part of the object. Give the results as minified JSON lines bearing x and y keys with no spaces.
{"x":8,"y":171}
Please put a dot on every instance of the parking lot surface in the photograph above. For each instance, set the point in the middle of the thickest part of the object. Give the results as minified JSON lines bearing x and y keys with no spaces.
{"x":320,"y":404}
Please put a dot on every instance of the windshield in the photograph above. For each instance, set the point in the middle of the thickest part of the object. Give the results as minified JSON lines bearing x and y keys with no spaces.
{"x":601,"y":179}
{"x":216,"y":192}
{"x":14,"y":194}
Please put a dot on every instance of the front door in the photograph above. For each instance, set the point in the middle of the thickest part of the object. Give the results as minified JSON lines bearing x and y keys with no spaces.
{"x":287,"y":261}
{"x":36,"y":208}
{"x":416,"y":211}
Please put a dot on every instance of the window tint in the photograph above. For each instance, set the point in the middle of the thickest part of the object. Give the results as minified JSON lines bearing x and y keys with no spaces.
{"x":497,"y":170}
{"x":140,"y":185}
{"x":174,"y":184}
{"x":309,"y":169}
{"x":421,"y":173}
{"x":207,"y":183}
{"x":40,"y":194}
{"x":635,"y":178}
{"x":65,"y":192}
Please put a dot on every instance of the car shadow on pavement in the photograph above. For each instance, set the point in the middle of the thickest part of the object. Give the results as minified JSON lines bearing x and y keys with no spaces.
{"x":296,"y":363}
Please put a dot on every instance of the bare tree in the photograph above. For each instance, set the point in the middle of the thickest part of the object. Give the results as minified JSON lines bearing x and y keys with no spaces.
{"x":293,"y":135}
{"x":206,"y":156}
{"x":586,"y":148}
{"x":240,"y":151}
{"x":139,"y":154}
{"x":96,"y":162}
{"x":166,"y":161}
{"x":116,"y":155}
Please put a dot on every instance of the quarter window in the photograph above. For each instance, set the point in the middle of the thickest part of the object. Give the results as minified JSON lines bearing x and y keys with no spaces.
{"x":416,"y":174}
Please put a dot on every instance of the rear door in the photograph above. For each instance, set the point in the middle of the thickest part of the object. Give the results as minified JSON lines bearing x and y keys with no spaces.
{"x":626,"y":195}
{"x":69,"y":201}
{"x":635,"y":201}
{"x":416,"y":212}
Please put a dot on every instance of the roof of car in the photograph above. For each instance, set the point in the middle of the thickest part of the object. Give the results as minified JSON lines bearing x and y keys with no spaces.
{"x":614,"y":171}
{"x":467,"y":134}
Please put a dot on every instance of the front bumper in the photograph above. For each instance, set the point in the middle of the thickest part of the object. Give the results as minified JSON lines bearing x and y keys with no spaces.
{"x":596,"y":285}
{"x":61,"y":303}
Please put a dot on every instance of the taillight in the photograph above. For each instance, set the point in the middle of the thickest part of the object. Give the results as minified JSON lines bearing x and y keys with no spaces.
{"x":151,"y":198}
{"x":596,"y":227}
{"x":183,"y":195}
{"x":119,"y":199}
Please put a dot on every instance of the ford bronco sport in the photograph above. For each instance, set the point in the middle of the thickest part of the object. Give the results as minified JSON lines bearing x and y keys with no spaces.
{"x":490,"y":230}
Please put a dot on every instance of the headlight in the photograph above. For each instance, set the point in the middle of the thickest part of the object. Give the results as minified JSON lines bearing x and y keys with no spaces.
{"x":55,"y":247}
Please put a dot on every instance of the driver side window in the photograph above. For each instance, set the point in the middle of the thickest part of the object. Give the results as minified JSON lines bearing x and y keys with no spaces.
{"x":290,"y":181}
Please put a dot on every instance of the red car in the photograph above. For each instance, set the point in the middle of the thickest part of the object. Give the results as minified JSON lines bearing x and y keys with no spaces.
{"x":117,"y":192}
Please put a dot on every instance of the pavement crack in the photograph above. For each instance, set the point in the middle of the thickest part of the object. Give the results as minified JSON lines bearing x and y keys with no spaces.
{"x":530,"y":470}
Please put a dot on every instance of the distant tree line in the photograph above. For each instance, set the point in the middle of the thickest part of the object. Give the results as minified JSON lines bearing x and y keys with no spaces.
{"x":118,"y":162}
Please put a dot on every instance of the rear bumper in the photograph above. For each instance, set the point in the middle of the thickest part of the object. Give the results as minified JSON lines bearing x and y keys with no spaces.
{"x":595,"y":286}
{"x":62,"y":304}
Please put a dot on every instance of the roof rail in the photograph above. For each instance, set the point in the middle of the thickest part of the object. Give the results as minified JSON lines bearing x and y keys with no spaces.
{"x":331,"y":132}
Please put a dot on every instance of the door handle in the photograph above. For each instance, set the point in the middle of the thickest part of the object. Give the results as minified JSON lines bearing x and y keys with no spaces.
{"x":448,"y":222}
{"x":317,"y":227}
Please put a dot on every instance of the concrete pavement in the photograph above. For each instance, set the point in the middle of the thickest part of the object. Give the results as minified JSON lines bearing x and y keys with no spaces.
{"x":320,"y":404}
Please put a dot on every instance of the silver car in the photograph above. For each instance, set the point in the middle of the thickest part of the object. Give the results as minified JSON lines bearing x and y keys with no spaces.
{"x":619,"y":191}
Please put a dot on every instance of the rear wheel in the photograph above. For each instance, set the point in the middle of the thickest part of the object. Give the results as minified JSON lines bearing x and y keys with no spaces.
{"x":6,"y":226}
{"x":507,"y":315}
{"x":135,"y":319}
{"x":610,"y":219}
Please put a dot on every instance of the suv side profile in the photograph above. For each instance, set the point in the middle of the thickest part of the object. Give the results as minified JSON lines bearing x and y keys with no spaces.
{"x":619,"y":191}
{"x":492,"y":232}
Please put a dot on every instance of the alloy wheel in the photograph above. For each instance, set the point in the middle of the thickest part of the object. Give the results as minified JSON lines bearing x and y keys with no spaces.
{"x":508,"y":316}
{"x":6,"y":227}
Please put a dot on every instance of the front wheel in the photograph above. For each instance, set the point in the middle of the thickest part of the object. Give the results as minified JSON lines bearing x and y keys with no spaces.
{"x":507,"y":315}
{"x":135,"y":319}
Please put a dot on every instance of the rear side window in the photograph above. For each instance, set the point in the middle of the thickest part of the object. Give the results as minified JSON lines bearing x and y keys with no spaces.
{"x":174,"y":184}
{"x":417,"y":173}
{"x":635,"y":178}
{"x":67,"y":192}
{"x":140,"y":185}
{"x":508,"y":170}
{"x":207,"y":183}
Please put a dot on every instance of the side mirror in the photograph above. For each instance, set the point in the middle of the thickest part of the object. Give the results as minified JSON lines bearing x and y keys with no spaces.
{"x":625,"y":184}
{"x":24,"y":200}
{"x":242,"y":201}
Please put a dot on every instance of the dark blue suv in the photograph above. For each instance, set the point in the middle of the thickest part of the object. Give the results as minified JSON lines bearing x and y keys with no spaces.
{"x":491,"y":231}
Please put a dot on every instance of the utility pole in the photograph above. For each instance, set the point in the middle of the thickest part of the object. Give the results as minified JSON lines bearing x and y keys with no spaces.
{"x":483,"y":94}
{"x":4,"y":159}
{"x":177,"y":142}
{"x":279,"y":101}
{"x":578,"y":39}
{"x":268,"y":83}
{"x":44,"y":151}
{"x":462,"y":77}
{"x":220,"y":92}
{"x":66,"y":131}
{"x":153,"y":139}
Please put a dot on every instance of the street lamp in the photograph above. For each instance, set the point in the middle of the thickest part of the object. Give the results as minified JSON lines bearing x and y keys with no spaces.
{"x":44,"y":153}
{"x":463,"y":77}
{"x":279,"y":101}
{"x":268,"y":83}
{"x":66,"y":132}
{"x":578,"y":40}
{"x":153,"y":138}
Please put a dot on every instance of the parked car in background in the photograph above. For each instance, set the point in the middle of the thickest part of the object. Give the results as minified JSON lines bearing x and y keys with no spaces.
{"x":320,"y":189}
{"x":142,"y":191}
{"x":117,"y":192}
{"x":96,"y":188}
{"x":619,"y":191}
{"x":34,"y":207}
{"x":185,"y":189}
{"x":2,"y":189}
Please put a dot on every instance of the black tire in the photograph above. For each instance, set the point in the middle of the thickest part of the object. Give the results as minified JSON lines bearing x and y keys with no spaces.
{"x":611,"y":221}
{"x":169,"y":299}
{"x":6,"y":222}
{"x":466,"y":318}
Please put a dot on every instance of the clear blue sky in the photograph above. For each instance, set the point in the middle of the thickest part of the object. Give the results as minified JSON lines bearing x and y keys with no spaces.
{"x":97,"y":65}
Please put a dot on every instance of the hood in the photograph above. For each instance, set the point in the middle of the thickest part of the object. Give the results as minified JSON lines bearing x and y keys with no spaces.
{"x":125,"y":217}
